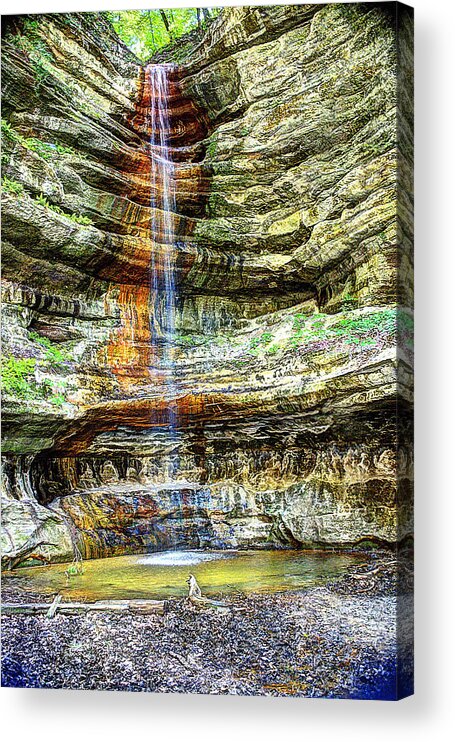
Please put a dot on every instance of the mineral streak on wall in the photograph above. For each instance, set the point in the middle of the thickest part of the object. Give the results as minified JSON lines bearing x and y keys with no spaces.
{"x":292,"y":268}
{"x":169,"y":127}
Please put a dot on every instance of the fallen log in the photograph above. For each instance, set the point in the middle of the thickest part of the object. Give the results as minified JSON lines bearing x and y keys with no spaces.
{"x":138,"y":607}
{"x":216,"y":605}
{"x":393,"y":563}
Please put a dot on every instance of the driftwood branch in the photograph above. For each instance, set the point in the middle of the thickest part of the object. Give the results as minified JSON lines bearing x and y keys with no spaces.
{"x":54,"y":606}
{"x":364,"y":575}
{"x":137,"y":607}
{"x":196,"y":598}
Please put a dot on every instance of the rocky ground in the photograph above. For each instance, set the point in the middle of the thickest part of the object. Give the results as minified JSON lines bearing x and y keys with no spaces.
{"x":333,"y":641}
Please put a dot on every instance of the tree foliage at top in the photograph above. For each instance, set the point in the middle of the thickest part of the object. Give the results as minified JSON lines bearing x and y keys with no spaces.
{"x":147,"y":31}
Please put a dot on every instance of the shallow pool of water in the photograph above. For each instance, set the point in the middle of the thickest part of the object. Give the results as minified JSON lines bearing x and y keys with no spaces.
{"x":164,"y":574}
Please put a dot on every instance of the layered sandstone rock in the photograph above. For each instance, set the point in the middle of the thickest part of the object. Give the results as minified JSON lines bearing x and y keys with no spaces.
{"x":292,"y":255}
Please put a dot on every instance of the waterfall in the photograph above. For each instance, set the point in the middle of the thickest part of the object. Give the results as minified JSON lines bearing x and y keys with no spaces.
{"x":163,"y":211}
{"x":163,"y":233}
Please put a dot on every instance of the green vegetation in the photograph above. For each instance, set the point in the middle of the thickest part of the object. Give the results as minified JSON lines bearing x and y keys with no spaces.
{"x":349,"y":302}
{"x":8,"y":131}
{"x":187,"y":340}
{"x":211,"y":148}
{"x":350,"y":331}
{"x":262,"y":340}
{"x":18,"y":380}
{"x":147,"y":31}
{"x":74,"y":569}
{"x":78,"y":218}
{"x":191,"y":341}
{"x":17,"y":377}
{"x":405,"y":328}
{"x":12,"y":186}
{"x":58,"y":400}
{"x":361,"y":330}
{"x":374,"y":329}
{"x":29,"y":41}
{"x":54,"y":354}
{"x":46,"y":150}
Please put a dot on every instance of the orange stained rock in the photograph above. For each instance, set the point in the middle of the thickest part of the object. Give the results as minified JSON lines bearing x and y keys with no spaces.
{"x":135,"y":413}
{"x":187,"y":124}
{"x":129,"y":352}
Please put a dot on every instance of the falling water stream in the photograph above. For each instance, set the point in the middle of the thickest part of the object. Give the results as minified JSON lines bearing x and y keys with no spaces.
{"x":163,"y":211}
{"x":163,"y":234}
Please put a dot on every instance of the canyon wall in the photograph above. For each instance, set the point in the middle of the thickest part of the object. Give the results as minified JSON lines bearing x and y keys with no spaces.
{"x":291,"y":129}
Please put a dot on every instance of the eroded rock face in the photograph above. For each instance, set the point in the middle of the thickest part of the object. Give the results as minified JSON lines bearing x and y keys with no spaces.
{"x":293,"y":266}
{"x":303,"y":154}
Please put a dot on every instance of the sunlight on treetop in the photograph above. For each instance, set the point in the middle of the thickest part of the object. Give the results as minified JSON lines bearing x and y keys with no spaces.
{"x":147,"y":31}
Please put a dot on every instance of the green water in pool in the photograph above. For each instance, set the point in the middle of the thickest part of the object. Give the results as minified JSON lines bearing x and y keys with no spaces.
{"x":164,"y":574}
